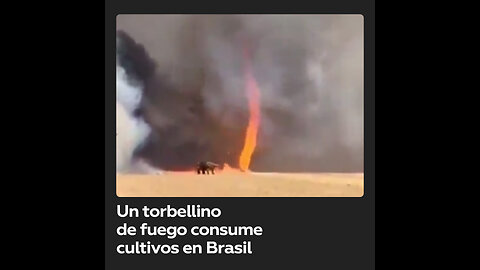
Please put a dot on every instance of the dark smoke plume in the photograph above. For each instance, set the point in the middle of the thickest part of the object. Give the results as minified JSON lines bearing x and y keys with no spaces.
{"x":309,"y":69}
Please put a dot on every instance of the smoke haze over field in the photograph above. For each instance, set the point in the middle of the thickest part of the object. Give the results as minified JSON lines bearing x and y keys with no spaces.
{"x":309,"y":70}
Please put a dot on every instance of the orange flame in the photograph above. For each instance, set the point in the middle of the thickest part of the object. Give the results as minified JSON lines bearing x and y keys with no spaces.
{"x":228,"y":169}
{"x":253,"y":95}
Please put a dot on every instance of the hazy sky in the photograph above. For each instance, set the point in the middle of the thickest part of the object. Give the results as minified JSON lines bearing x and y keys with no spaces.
{"x":309,"y":69}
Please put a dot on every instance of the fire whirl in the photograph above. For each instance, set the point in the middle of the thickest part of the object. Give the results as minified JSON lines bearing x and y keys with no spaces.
{"x":253,"y":95}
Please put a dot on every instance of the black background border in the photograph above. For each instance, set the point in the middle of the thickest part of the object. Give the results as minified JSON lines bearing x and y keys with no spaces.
{"x":329,"y":233}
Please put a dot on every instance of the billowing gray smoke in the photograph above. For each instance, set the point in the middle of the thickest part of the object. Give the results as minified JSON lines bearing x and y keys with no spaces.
{"x":309,"y":69}
{"x":133,"y":69}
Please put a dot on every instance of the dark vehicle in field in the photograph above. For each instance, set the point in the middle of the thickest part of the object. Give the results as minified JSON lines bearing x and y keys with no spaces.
{"x":206,"y":167}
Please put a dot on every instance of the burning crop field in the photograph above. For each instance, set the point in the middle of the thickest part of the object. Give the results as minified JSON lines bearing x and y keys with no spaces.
{"x":239,"y":105}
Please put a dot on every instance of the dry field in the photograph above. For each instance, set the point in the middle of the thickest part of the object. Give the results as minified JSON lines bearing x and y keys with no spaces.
{"x":237,"y":184}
